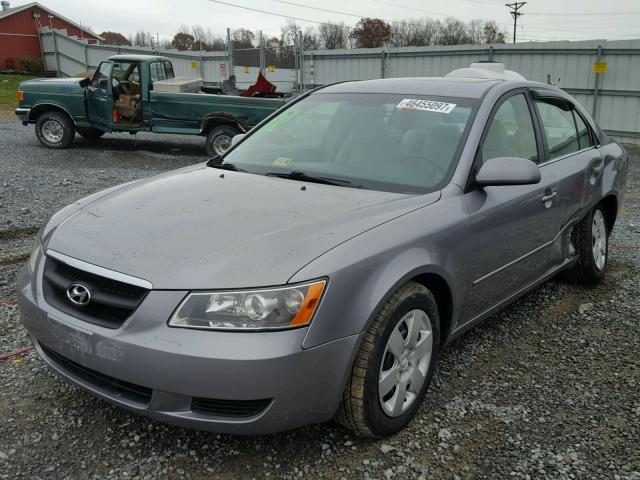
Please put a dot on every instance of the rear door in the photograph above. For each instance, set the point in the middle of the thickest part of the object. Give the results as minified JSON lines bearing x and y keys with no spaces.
{"x":99,"y":98}
{"x":571,"y":155}
{"x":513,"y":228}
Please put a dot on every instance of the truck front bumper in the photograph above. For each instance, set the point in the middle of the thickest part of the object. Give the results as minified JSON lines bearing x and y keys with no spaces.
{"x":23,"y":114}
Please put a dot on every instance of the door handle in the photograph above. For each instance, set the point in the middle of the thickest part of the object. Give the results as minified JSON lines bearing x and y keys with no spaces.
{"x":549,"y":196}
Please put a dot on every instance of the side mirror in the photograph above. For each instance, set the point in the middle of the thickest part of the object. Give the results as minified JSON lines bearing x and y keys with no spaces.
{"x":237,"y":138}
{"x":508,"y":171}
{"x":85,"y":82}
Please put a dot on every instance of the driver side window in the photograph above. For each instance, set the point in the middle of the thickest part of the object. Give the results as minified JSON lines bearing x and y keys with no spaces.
{"x":101,"y":77}
{"x":511,"y":132}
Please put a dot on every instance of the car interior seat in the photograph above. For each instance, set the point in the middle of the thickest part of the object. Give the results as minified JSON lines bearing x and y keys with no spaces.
{"x":367,"y":142}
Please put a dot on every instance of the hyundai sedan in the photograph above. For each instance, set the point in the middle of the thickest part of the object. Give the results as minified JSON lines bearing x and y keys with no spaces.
{"x":319,"y":267}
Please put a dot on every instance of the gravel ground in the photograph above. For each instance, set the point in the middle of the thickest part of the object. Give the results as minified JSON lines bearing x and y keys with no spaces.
{"x":546,"y":389}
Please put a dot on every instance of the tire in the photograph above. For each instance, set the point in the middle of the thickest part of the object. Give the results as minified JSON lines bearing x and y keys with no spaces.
{"x":363,"y":409}
{"x":55,"y":130}
{"x":219,"y":139}
{"x":591,"y":239}
{"x":90,"y":133}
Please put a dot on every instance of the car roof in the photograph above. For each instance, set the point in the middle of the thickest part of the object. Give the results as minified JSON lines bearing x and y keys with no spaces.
{"x":438,"y":86}
{"x":137,"y":58}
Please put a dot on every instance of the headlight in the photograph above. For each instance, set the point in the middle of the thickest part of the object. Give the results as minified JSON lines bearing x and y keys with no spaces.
{"x":274,"y":308}
{"x":35,"y":253}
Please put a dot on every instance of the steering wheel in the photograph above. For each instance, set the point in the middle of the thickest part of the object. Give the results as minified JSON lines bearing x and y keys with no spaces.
{"x":417,"y":156}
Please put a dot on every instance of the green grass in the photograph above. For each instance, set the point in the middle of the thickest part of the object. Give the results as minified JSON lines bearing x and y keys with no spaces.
{"x":8,"y":90}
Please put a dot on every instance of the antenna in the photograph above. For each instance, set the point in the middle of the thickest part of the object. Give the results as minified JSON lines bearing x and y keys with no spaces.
{"x":515,"y":13}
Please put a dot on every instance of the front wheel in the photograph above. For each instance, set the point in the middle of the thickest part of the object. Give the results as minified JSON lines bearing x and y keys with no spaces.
{"x":219,"y":139}
{"x":591,"y":240}
{"x":394,"y":365}
{"x":55,"y":130}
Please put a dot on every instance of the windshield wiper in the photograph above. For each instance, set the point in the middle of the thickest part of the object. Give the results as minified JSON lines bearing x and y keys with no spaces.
{"x":303,"y":177}
{"x":226,"y":166}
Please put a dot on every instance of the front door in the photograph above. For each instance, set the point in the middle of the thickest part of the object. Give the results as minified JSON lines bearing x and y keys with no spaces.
{"x":511,"y":227}
{"x":99,"y":98}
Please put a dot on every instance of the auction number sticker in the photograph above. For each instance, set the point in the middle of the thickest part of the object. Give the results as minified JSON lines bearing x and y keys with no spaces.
{"x":426,"y":105}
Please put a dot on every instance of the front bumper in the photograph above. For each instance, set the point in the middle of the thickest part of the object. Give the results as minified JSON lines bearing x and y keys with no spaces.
{"x":23,"y":114}
{"x":175,"y":368}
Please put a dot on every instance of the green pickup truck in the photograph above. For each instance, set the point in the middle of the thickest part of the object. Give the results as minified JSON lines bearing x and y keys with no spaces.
{"x":133,"y":93}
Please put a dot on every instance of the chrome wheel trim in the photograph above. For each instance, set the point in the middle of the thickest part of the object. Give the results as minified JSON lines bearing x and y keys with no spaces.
{"x":52,"y":131}
{"x":599,"y":239}
{"x":405,"y":362}
{"x":221,"y":143}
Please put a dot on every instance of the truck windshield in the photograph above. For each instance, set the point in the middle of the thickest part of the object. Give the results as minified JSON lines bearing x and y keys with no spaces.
{"x":401,"y":143}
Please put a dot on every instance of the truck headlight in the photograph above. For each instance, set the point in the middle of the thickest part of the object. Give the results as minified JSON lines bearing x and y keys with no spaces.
{"x":264,"y":309}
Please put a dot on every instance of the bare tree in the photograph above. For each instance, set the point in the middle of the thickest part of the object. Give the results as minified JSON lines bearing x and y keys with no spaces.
{"x":453,"y":32}
{"x":182,"y":41}
{"x":310,"y":39}
{"x":475,"y":31}
{"x":333,"y":35}
{"x":142,"y":39}
{"x":492,"y":33}
{"x":243,"y":38}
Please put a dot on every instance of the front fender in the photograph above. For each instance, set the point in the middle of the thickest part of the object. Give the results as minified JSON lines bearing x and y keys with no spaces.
{"x":365,"y":271}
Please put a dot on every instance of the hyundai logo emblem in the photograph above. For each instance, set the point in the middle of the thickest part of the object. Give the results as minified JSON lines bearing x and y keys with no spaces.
{"x":78,"y":294}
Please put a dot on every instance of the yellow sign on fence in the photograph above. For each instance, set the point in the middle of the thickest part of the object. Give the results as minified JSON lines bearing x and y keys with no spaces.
{"x":247,"y":69}
{"x":271,"y":68}
{"x":194,"y":65}
{"x":599,"y":67}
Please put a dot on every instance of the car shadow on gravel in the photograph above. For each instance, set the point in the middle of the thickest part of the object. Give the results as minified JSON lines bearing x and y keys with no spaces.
{"x":128,"y":143}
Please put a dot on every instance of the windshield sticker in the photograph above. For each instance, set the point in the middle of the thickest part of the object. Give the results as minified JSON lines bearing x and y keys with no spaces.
{"x":426,"y":105}
{"x":282,"y":161}
{"x":283,"y":118}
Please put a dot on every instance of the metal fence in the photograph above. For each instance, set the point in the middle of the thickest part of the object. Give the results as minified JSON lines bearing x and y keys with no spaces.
{"x":602,"y":75}
{"x":612,"y":96}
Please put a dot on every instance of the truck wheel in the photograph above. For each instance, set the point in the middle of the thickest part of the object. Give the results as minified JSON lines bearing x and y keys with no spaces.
{"x":592,"y":246}
{"x":55,"y":130}
{"x":394,"y":365}
{"x":90,"y":133}
{"x":219,"y":139}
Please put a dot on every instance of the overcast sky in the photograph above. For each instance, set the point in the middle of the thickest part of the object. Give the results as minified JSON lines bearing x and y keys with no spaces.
{"x":542,"y":19}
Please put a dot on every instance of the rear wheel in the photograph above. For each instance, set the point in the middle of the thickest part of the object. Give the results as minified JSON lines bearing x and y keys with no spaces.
{"x":219,"y":139}
{"x":55,"y":130}
{"x":592,"y":246}
{"x":394,"y":365}
{"x":90,"y":133}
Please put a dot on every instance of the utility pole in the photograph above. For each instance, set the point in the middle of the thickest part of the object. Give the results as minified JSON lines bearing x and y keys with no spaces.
{"x":515,"y":13}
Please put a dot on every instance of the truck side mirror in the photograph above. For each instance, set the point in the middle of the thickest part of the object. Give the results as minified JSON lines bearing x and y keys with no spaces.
{"x":85,"y":82}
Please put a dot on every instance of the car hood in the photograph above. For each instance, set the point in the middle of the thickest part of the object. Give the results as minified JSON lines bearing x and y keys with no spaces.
{"x":206,"y":228}
{"x":64,"y":85}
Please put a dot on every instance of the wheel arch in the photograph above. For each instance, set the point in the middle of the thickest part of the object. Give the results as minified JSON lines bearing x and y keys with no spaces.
{"x":41,"y":108}
{"x":610,"y":208}
{"x":213,"y":121}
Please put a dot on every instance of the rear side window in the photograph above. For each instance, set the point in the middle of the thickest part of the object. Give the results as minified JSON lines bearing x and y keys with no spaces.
{"x":559,"y":126}
{"x":584,"y":134}
{"x":169,"y":70}
{"x":511,"y":132}
{"x":158,"y":71}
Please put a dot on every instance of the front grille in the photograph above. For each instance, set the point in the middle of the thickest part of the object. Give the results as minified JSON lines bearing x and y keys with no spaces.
{"x":112,"y":386}
{"x":228,"y":408}
{"x":112,"y":302}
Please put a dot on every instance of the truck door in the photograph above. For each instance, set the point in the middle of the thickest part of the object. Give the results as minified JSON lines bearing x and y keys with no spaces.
{"x":99,"y":98}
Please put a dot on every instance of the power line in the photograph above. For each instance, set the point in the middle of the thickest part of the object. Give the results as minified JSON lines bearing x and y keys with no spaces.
{"x":582,"y":13}
{"x":515,"y":13}
{"x":300,"y":19}
{"x":320,"y":9}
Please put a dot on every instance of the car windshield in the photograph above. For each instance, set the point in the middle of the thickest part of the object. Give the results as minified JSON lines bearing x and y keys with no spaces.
{"x":399,"y":143}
